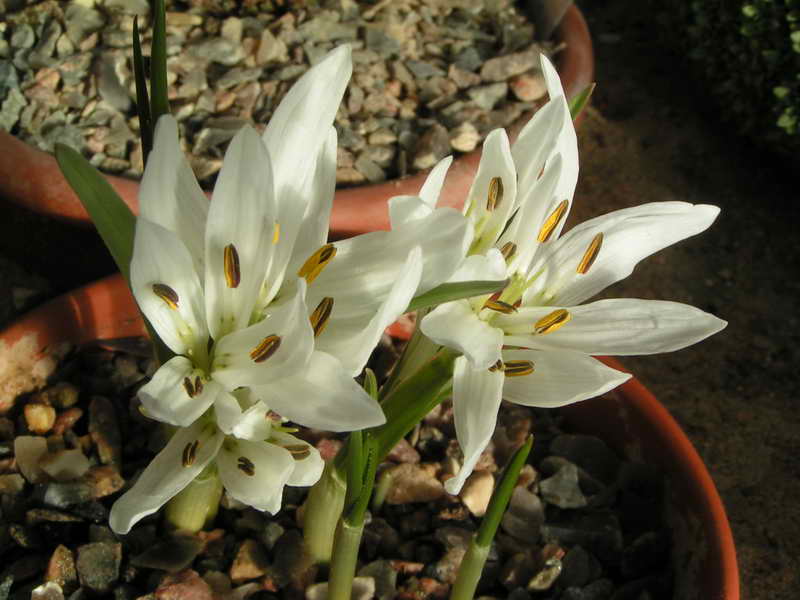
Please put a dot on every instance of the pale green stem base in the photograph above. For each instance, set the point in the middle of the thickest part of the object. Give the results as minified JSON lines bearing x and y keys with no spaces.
{"x":196,"y":505}
{"x":322,"y":511}
{"x":343,"y":566}
{"x":469,"y":573}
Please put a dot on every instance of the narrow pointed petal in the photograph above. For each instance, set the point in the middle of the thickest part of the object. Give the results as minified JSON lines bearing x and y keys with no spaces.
{"x":331,"y":399}
{"x":255,"y":472}
{"x":430,"y":190}
{"x":405,"y":209}
{"x":629,"y":235}
{"x":275,"y":347}
{"x":616,"y":327}
{"x":239,"y":233}
{"x":476,"y":399}
{"x":481,"y":267}
{"x":456,"y":326}
{"x":559,"y":378}
{"x":169,"y":472}
{"x":167,"y":288}
{"x":170,"y":195}
{"x":536,"y":143}
{"x":308,"y":464}
{"x":351,"y":338}
{"x":172,"y":395}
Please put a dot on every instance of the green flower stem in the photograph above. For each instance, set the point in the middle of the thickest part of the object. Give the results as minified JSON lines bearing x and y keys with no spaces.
{"x":419,"y":350}
{"x":343,"y":567}
{"x":322,"y":511}
{"x":196,"y":505}
{"x":469,"y":572}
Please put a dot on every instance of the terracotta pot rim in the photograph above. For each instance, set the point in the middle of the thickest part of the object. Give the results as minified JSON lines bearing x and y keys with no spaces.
{"x":106,"y":310}
{"x":31,"y":178}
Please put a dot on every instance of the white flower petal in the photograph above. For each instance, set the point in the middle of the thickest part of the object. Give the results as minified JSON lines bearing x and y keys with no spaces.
{"x":169,"y":193}
{"x":559,"y":378}
{"x":170,"y":396}
{"x":404,"y":209}
{"x":307,"y":470}
{"x":254,"y":423}
{"x":481,"y":267}
{"x":352,"y":336}
{"x":237,"y":360}
{"x":455,"y":325}
{"x":536,"y":143}
{"x":166,"y":475}
{"x":323,"y":396}
{"x":161,"y":259}
{"x":629,"y":235}
{"x":242,"y":214}
{"x":430,"y":190}
{"x":255,"y":472}
{"x":227,"y":411}
{"x":476,"y":399}
{"x":617,"y":327}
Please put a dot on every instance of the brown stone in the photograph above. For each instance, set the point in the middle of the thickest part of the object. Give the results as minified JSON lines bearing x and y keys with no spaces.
{"x":104,"y":430}
{"x":250,"y":563}
{"x":185,"y":585}
{"x":412,"y":483}
{"x":104,"y":480}
{"x":61,"y":569}
{"x":39,"y":417}
{"x":66,"y":420}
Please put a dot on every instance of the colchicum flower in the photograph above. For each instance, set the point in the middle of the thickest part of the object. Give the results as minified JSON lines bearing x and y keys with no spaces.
{"x":532,"y":344}
{"x":239,"y":290}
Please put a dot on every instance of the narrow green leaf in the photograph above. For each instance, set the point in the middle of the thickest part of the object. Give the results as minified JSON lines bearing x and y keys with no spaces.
{"x":579,"y":102}
{"x":355,"y":467}
{"x":111,"y":216}
{"x":142,"y":99}
{"x":371,"y":383}
{"x":158,"y":63}
{"x":502,"y":495}
{"x":355,"y":516}
{"x":447,"y":292}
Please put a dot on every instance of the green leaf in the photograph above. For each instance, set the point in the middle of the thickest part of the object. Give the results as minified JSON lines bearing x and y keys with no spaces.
{"x":579,"y":102}
{"x":158,"y":63}
{"x":502,"y":495}
{"x":447,"y":292}
{"x":371,"y":383}
{"x":142,"y":100}
{"x":111,"y":216}
{"x":355,"y":467}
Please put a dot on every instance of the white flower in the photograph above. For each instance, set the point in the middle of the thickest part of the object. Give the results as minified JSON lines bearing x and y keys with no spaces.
{"x":533,"y":343}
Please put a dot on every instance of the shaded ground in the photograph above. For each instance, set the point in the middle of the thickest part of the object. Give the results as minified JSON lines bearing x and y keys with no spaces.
{"x":735,"y":394}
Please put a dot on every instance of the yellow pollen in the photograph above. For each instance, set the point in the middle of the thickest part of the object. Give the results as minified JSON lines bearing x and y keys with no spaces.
{"x":231,"y":265}
{"x":508,"y":250}
{"x":167,"y":294}
{"x":190,"y":453}
{"x":299,"y":451}
{"x":246,"y":466}
{"x":319,"y":318}
{"x":498,"y":366}
{"x":189,"y":387}
{"x":316,"y":262}
{"x":500,"y":306}
{"x":550,"y":224}
{"x":276,"y":234}
{"x":518,"y":368}
{"x":495,"y":195}
{"x":591,"y":254}
{"x":552,"y":321}
{"x":266,"y":348}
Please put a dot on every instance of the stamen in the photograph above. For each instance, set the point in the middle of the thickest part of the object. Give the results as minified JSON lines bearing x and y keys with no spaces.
{"x":550,"y":322}
{"x":508,"y":250}
{"x":198,"y":386}
{"x":276,"y":233}
{"x":498,"y":366}
{"x":231,"y":265}
{"x":190,"y":453}
{"x":319,"y":318}
{"x":299,"y":451}
{"x":189,"y":387}
{"x":550,"y":224}
{"x":167,"y":294}
{"x":266,"y":348}
{"x":316,"y":262}
{"x":246,"y":466}
{"x":518,"y":368}
{"x":495,"y":195}
{"x":591,"y":254}
{"x":499,"y":306}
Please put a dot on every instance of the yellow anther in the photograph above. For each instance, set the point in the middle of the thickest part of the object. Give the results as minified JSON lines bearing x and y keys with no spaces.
{"x":167,"y":294}
{"x":190,"y":453}
{"x":518,"y":368}
{"x":276,"y":233}
{"x":299,"y":451}
{"x":550,"y":224}
{"x":498,"y":366}
{"x":500,"y":306}
{"x":246,"y":466}
{"x":316,"y":262}
{"x":508,"y":250}
{"x":266,"y":348}
{"x":590,"y":255}
{"x":495,"y":195}
{"x":552,"y":321}
{"x":231,"y":265}
{"x":319,"y":318}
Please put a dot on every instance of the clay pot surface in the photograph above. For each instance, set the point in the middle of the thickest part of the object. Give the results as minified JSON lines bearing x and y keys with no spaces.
{"x":31,"y":178}
{"x":629,"y":419}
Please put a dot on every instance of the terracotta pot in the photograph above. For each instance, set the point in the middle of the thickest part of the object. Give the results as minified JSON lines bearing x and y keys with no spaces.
{"x":32,"y":179}
{"x":630,"y":419}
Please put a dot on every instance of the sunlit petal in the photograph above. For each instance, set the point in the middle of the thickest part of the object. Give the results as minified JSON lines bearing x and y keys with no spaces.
{"x":455,"y":325}
{"x":255,"y":472}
